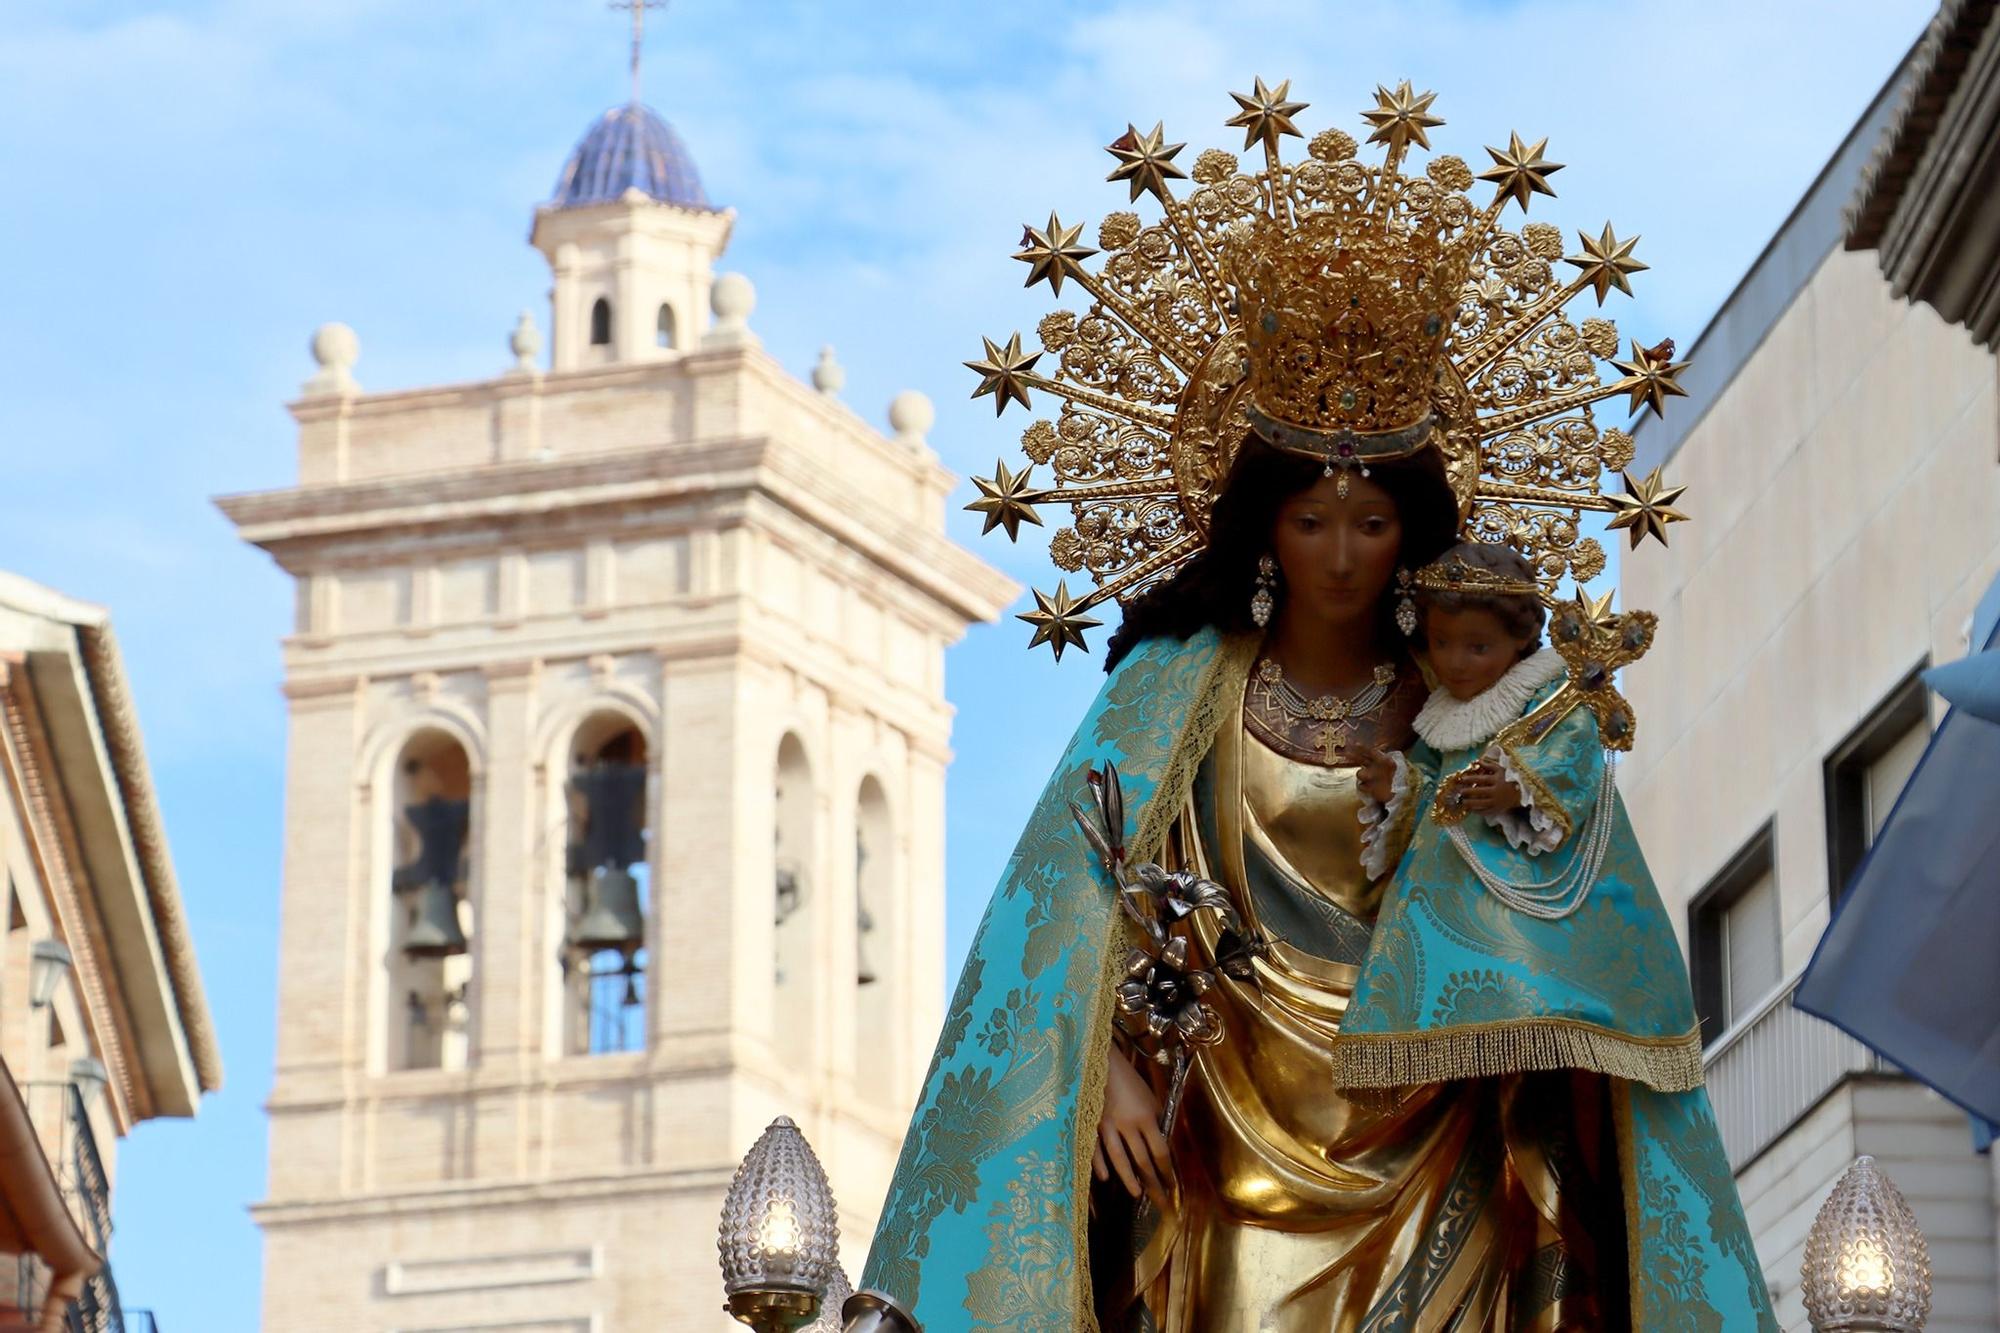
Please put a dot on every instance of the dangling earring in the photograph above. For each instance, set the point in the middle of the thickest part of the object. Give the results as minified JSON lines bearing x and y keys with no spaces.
{"x":1262,"y":603}
{"x":1406,"y":608}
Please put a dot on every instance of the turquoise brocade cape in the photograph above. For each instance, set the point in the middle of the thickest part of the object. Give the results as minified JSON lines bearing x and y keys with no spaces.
{"x":1458,"y":985}
{"x":985,"y":1225}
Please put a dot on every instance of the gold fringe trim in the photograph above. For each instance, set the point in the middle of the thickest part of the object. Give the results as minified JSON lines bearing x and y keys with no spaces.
{"x":1198,"y":731}
{"x":1515,"y":1046}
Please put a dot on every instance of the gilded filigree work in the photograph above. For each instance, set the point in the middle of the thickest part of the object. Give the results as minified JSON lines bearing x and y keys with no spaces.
{"x":1342,"y":309}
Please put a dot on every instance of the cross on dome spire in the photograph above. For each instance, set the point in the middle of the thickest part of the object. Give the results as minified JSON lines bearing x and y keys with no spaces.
{"x":638,"y":8}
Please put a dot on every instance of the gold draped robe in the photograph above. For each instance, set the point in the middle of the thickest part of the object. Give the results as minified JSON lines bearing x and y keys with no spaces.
{"x":1468,"y":1207}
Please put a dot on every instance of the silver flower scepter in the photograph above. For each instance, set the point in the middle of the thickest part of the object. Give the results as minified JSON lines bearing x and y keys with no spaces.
{"x":1162,"y":997}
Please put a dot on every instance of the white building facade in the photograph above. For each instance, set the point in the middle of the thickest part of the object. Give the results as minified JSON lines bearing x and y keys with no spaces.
{"x":1841,"y":450}
{"x":104,"y":1023}
{"x":660,"y":596}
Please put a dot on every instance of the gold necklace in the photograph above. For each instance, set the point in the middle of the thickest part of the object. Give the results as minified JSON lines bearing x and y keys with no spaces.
{"x":1330,"y":718}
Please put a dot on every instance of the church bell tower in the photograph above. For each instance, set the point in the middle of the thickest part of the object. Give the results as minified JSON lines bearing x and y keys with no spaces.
{"x":615,"y":795}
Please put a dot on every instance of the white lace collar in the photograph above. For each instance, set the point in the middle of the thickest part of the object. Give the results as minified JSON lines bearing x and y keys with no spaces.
{"x":1454,"y":724}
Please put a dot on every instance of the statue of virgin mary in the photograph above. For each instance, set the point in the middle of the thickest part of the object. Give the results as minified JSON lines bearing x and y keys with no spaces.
{"x":1285,"y":392}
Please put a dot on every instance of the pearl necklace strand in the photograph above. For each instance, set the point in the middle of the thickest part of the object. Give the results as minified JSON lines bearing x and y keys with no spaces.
{"x":1336,"y":714}
{"x":1560,"y":895}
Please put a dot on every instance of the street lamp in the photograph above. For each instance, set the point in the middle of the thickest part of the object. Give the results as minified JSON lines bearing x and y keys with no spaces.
{"x":778,"y":1233}
{"x":1867,"y":1269}
{"x":831,"y":1302}
{"x":48,"y":965}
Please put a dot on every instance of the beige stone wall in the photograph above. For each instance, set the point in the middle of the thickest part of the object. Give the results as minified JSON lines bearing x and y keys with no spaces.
{"x":633,"y":1253}
{"x":1920,"y":1141}
{"x":1845,"y":492}
{"x":29,"y":1051}
{"x":726,"y":559}
{"x":1846,"y":507}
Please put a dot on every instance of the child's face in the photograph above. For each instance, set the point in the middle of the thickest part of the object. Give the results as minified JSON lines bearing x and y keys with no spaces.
{"x":1470,"y":649}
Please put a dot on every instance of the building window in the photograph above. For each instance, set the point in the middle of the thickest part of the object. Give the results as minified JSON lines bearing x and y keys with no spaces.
{"x":430,"y":922}
{"x":1866,"y":772}
{"x":876,"y":1045}
{"x":795,"y":907}
{"x":663,"y":328}
{"x":600,"y":323}
{"x":607,"y":889}
{"x":1733,"y":927}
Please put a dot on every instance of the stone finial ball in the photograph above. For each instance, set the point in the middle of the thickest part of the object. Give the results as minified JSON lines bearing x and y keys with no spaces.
{"x":732,"y":298}
{"x":526,"y":340}
{"x":335,"y":347}
{"x":829,"y":376}
{"x":911,"y":413}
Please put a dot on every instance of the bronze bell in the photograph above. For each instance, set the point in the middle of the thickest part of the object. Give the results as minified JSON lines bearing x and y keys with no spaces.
{"x":611,"y":918}
{"x":434,"y":931}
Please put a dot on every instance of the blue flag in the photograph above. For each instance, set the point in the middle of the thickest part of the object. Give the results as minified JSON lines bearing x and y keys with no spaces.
{"x":1907,"y":964}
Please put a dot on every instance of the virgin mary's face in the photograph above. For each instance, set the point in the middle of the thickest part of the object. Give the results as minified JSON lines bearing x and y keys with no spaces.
{"x":1337,"y":553}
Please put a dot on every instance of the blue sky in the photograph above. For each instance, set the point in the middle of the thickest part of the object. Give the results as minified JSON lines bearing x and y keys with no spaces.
{"x":192,"y":187}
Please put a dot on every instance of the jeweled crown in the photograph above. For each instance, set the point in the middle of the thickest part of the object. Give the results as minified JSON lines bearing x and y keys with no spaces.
{"x":1350,"y":310}
{"x":1454,"y":573}
{"x":1345,"y":320}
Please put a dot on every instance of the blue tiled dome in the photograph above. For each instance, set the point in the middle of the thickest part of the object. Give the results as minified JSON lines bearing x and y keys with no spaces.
{"x":629,"y":148}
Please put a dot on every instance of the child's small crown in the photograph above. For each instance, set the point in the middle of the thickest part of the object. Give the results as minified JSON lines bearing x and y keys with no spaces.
{"x":1453,"y":573}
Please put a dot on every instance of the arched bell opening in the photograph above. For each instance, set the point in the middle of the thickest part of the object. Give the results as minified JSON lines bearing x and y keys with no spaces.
{"x":795,"y":1005}
{"x":875,"y":920}
{"x":608,"y":889}
{"x":429,"y":961}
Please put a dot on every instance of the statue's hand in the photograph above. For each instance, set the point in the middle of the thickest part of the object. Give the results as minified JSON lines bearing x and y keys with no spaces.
{"x":1376,"y":774}
{"x":1129,"y":1141}
{"x":1487,"y":790}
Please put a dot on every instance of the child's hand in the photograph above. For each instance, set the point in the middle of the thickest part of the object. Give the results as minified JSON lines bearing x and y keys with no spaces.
{"x":1376,"y":774}
{"x":1485,"y":790}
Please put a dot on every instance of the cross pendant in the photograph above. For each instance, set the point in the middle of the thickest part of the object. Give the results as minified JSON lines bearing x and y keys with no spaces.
{"x":1332,"y":739}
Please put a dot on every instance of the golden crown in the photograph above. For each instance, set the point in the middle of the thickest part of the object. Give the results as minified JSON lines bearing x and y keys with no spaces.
{"x":1344,"y":319}
{"x":1453,"y":573}
{"x":1339,"y":309}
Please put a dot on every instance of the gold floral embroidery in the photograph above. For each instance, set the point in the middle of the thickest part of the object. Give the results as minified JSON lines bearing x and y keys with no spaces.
{"x":1042,"y":1040}
{"x":1027,"y":1284}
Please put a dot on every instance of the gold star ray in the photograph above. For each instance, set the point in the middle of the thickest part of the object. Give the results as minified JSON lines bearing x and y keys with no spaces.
{"x":1606,"y":262}
{"x":1401,"y":117}
{"x":1052,"y":253}
{"x":1653,"y":376}
{"x":1145,"y":162}
{"x":1266,"y":114}
{"x":1059,"y":620}
{"x":1646,"y":508}
{"x":1596,"y":611}
{"x":1001,"y":371}
{"x":1520,"y":171}
{"x":1007,"y":500}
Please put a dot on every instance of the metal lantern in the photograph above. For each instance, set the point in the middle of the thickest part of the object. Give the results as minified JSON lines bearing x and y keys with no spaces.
{"x":779,"y":1232}
{"x":1866,"y":1267}
{"x":49,"y":964}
